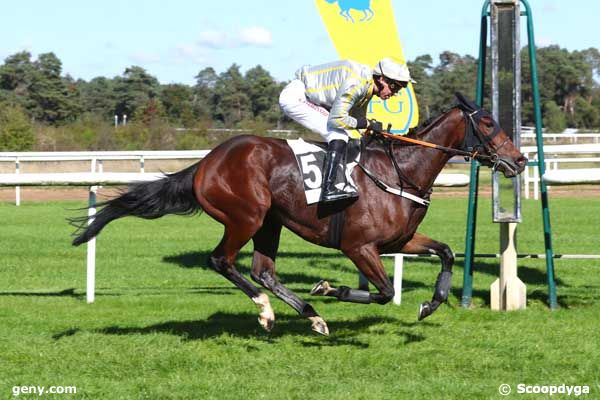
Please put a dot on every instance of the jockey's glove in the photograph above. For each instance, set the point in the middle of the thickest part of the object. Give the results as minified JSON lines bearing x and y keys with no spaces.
{"x":371,"y":124}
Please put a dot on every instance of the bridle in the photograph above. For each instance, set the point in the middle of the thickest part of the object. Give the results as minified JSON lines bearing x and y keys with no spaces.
{"x":476,"y":145}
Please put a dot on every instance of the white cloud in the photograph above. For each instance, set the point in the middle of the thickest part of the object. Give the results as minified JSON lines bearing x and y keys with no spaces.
{"x":213,"y":39}
{"x":141,"y":57}
{"x":250,"y":36}
{"x":186,"y":52}
{"x":255,"y":36}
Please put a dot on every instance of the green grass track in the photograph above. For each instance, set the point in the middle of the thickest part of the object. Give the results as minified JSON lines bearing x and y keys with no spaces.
{"x":164,"y":326}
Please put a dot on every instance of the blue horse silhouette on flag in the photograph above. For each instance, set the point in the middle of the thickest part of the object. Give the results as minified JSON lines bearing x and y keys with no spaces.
{"x":359,"y":5}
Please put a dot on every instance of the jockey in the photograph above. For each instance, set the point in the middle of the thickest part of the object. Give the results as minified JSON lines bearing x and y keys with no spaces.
{"x":332,"y":98}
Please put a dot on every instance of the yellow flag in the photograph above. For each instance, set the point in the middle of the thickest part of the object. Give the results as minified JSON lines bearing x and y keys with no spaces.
{"x":365,"y":31}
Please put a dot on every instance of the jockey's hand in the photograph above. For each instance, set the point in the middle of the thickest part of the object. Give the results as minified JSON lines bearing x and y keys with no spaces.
{"x":375,"y":126}
{"x":370,"y":124}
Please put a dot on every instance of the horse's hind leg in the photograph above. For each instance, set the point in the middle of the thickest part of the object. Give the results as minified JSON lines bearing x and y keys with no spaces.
{"x":422,"y":244}
{"x":222,"y":260}
{"x":266,"y":243}
{"x":241,"y":222}
{"x":367,"y":260}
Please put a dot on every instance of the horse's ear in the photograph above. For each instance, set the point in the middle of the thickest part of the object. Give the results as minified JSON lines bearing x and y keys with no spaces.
{"x":465,"y":103}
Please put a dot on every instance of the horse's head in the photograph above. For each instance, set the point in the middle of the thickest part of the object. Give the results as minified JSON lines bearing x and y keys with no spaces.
{"x":488,"y":142}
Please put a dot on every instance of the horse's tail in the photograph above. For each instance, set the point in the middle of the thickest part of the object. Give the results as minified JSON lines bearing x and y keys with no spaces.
{"x":172,"y":194}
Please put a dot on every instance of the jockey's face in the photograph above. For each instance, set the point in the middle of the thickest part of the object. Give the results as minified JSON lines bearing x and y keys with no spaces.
{"x":387,"y":88}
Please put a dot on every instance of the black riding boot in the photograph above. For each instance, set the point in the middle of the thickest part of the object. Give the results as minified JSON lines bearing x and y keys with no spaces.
{"x":335,"y":157}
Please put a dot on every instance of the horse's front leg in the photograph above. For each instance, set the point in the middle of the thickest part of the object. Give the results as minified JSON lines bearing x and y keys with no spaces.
{"x":366,"y":258}
{"x":420,"y":244}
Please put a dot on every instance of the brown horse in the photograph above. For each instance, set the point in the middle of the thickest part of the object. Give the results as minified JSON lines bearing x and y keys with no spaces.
{"x":252,"y":185}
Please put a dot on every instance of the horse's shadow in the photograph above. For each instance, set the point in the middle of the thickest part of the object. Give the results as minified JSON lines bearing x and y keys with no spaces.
{"x":244,"y":326}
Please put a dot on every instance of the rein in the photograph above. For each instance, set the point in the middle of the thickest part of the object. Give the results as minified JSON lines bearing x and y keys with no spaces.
{"x":471,"y":124}
{"x":472,"y":132}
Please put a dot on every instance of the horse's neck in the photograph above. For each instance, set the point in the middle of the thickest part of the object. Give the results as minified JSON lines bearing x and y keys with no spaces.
{"x":423,"y":164}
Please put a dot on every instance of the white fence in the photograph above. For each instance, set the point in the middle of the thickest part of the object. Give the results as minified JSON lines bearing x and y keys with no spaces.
{"x":573,"y":138}
{"x":96,"y":159}
{"x":561,"y":155}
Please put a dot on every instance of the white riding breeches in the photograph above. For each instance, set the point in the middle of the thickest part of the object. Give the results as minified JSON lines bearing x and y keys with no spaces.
{"x":295,"y":105}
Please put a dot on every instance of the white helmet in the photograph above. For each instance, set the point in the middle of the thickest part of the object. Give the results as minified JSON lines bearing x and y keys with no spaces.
{"x":393,"y":69}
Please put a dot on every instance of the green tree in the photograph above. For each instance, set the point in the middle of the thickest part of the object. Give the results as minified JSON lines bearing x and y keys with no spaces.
{"x":16,"y":76}
{"x":454,"y":73}
{"x":133,"y":90}
{"x":16,"y":132}
{"x":585,"y":114}
{"x":562,"y":76}
{"x":50,"y":98}
{"x":263,"y":92}
{"x":178,"y":103}
{"x":204,"y":100}
{"x":420,"y":70}
{"x":554,"y":118}
{"x":150,"y":112}
{"x":233,"y":104}
{"x":98,"y":96}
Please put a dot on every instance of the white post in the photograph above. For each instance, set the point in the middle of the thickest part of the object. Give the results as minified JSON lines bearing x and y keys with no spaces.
{"x":116,"y":120}
{"x":508,"y":292}
{"x":124,"y":119}
{"x":526,"y":178}
{"x":91,"y":249}
{"x":17,"y":188}
{"x":398,"y":270}
{"x":536,"y":183}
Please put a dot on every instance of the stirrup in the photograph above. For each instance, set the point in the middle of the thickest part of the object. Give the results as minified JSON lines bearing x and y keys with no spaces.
{"x":336,"y":195}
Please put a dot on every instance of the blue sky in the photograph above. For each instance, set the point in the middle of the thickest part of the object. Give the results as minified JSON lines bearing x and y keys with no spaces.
{"x":174,"y":40}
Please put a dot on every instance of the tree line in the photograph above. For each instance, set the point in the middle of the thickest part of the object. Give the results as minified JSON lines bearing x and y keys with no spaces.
{"x":43,"y":109}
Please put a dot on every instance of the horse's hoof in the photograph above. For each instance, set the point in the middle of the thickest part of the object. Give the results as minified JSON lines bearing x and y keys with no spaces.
{"x":266,"y":323}
{"x":266,"y":317}
{"x":425,"y":310}
{"x":318,"y":325}
{"x":321,"y":288}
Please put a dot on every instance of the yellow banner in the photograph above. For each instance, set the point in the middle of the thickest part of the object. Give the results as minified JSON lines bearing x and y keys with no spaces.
{"x":365,"y":31}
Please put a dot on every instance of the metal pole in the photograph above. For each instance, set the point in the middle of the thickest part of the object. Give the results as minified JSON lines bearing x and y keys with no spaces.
{"x":552,"y":301}
{"x":467,"y":293}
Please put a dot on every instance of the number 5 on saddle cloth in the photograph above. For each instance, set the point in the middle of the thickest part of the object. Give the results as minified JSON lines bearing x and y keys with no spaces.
{"x":310,"y":156}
